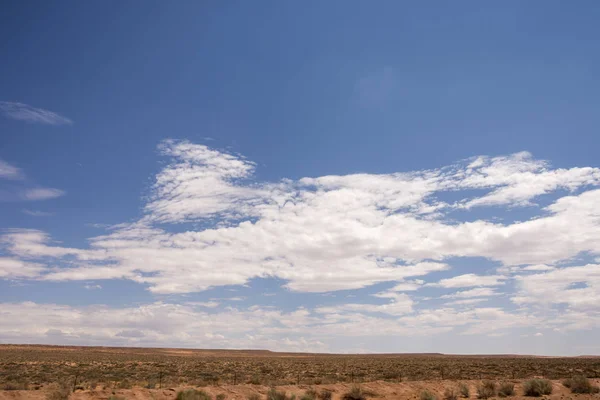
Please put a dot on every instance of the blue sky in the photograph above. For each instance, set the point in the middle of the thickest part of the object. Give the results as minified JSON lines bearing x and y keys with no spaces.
{"x":325,"y":176}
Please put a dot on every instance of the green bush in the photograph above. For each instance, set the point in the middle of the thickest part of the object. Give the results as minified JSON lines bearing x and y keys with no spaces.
{"x":193,"y":394}
{"x":580,"y":384}
{"x":537,"y":387}
{"x":486,"y":390}
{"x":506,"y":389}
{"x":427,"y":395}
{"x":355,"y":393}
{"x":464,"y":390}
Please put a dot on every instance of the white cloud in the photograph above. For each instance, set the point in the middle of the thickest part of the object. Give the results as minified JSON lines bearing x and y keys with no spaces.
{"x":92,"y":287}
{"x":577,"y":287}
{"x":24,"y":112}
{"x":329,"y":233}
{"x":15,"y":268}
{"x":37,"y":213}
{"x":477,"y":292}
{"x":466,"y":301}
{"x":326,"y":233}
{"x":470,"y":280}
{"x":8,"y":171}
{"x":41,"y":193}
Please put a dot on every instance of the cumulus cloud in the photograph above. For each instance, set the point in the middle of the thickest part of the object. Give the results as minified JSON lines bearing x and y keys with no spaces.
{"x":578,"y":287}
{"x":322,"y":234}
{"x":27,"y":113}
{"x":470,"y":280}
{"x":331,"y":233}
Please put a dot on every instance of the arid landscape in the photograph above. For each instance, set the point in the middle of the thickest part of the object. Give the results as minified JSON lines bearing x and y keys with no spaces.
{"x":28,"y":371}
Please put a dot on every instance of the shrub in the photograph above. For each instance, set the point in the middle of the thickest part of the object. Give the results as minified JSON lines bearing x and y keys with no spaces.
{"x":310,"y":394}
{"x":221,"y":396}
{"x":124,"y":384}
{"x":325,"y":394}
{"x":58,"y":391}
{"x":12,"y":385}
{"x":506,"y":389}
{"x":427,"y":395}
{"x":486,"y":390}
{"x":193,"y":394}
{"x":355,"y":393}
{"x":450,"y":394}
{"x":273,"y":394}
{"x":464,"y":390}
{"x":537,"y":387}
{"x":580,"y":384}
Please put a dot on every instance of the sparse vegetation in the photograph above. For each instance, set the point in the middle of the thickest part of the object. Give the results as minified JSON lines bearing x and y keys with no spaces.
{"x":325,"y":394}
{"x":580,"y":384}
{"x":464,"y":390}
{"x":506,"y":389}
{"x":41,"y":365}
{"x":310,"y":394}
{"x":220,"y":396}
{"x":427,"y":395}
{"x":356,"y":393}
{"x":193,"y":394}
{"x":450,"y":394}
{"x":486,"y":390}
{"x":15,"y":385}
{"x":274,"y":394}
{"x":537,"y":387}
{"x":58,"y":391}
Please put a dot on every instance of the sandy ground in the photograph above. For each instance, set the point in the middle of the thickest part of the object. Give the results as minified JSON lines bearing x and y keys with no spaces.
{"x":381,"y":390}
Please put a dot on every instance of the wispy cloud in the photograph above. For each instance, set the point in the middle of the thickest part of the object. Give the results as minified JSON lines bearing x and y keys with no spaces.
{"x":92,"y":287}
{"x":37,"y":213}
{"x":41,"y":193}
{"x":8,"y":171}
{"x":27,"y":113}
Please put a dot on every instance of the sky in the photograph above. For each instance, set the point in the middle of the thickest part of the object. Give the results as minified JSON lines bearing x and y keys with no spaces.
{"x":339,"y":176}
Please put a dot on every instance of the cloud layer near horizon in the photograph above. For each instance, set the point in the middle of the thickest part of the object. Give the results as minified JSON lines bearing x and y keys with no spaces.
{"x":332,"y":233}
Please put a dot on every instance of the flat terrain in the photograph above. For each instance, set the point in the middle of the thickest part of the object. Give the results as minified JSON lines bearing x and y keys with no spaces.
{"x":97,"y":372}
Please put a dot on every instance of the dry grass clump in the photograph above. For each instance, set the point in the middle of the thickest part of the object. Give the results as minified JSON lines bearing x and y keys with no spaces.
{"x":427,"y":395}
{"x":356,"y":393}
{"x":58,"y":391}
{"x":580,"y":384}
{"x":273,"y":394}
{"x":464,"y":390}
{"x":486,"y":390}
{"x":15,"y":385}
{"x":193,"y":394}
{"x":506,"y":389}
{"x":537,"y":387}
{"x":450,"y":394}
{"x":325,"y":394}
